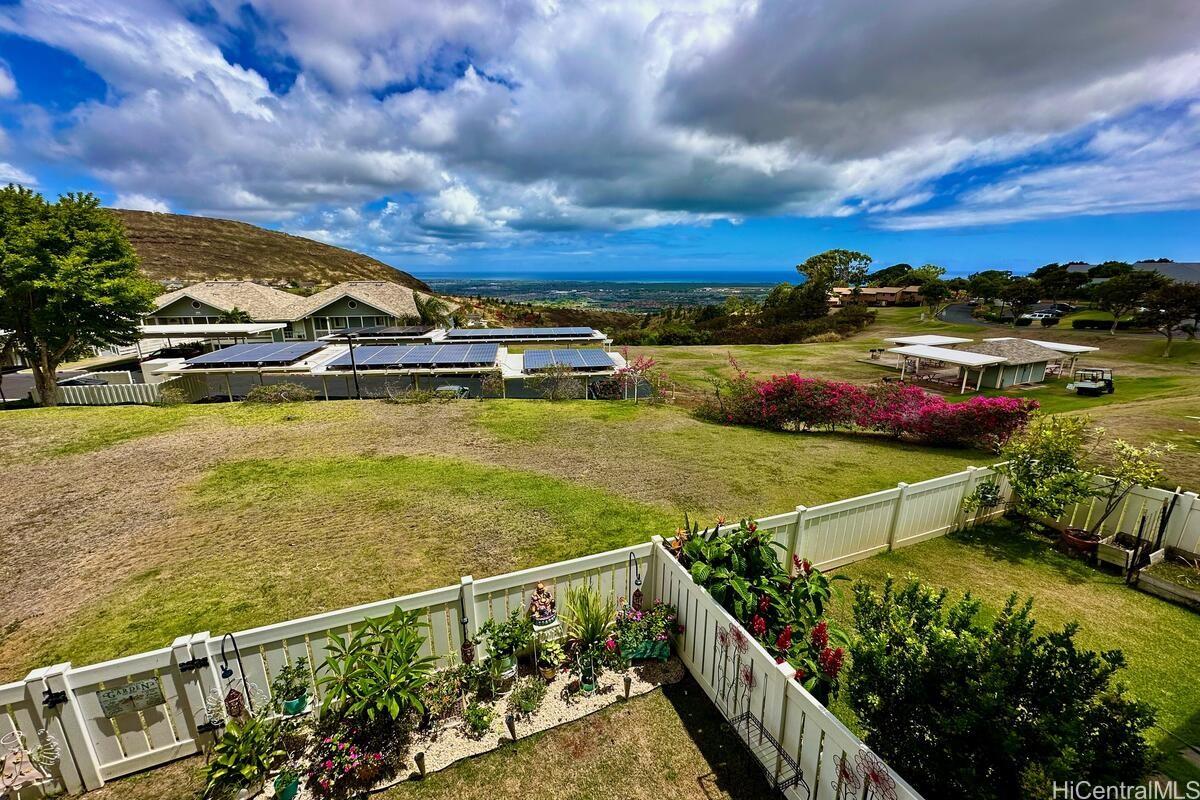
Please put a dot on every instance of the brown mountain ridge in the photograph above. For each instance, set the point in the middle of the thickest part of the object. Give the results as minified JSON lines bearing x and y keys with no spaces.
{"x":188,"y":248}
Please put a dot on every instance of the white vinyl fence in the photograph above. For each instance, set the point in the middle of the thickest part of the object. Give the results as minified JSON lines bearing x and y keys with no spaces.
{"x":1182,"y":533}
{"x":116,"y":394}
{"x":63,"y":700}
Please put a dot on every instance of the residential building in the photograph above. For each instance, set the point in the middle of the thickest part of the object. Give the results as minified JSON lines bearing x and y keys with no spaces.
{"x":878,"y":295}
{"x":1178,"y":271}
{"x":354,"y":304}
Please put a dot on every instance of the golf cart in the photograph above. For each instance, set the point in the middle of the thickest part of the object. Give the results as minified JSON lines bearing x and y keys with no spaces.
{"x":1092,"y":382}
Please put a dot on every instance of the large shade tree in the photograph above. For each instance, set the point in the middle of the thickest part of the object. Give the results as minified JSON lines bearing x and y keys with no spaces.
{"x":1126,"y":292}
{"x":1021,"y":294}
{"x":1174,"y":307}
{"x":69,"y":280}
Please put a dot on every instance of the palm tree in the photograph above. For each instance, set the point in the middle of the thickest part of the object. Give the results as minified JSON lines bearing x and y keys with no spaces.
{"x":431,"y":310}
{"x":235,"y":316}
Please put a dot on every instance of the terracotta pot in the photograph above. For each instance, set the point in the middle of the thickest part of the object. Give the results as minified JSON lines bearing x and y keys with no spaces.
{"x":1078,"y":540}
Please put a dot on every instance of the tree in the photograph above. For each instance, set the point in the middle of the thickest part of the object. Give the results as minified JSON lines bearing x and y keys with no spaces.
{"x":431,"y":310}
{"x":937,"y":295}
{"x":895,"y":275}
{"x":966,"y":706}
{"x":1126,"y":292}
{"x":988,"y":284}
{"x":836,"y":268}
{"x":69,"y":280}
{"x":235,"y":316}
{"x":1045,"y":467}
{"x":792,"y":303}
{"x":1169,"y":309}
{"x":1020,"y":294}
{"x":926,"y":273}
{"x":1058,"y":282}
{"x":1109,"y":269}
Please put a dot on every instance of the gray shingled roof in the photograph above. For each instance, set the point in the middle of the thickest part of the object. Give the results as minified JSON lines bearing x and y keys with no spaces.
{"x":390,"y":298}
{"x":262,"y":303}
{"x":1017,"y":351}
{"x":265,"y":304}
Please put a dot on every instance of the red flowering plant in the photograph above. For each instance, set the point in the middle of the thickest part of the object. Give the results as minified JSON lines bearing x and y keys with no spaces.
{"x":779,"y":606}
{"x":795,"y":403}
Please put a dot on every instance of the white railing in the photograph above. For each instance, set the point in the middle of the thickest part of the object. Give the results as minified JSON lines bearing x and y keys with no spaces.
{"x":63,"y":699}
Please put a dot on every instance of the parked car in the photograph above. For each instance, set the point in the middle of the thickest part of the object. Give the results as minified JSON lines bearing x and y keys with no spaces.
{"x":1062,"y":308}
{"x":1039,"y":315}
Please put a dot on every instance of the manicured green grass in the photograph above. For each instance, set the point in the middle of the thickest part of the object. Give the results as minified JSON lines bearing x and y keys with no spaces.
{"x":1160,"y":640}
{"x":272,"y":540}
{"x":1054,"y":398}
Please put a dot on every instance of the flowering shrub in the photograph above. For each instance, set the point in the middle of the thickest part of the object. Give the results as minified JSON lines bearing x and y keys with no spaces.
{"x":638,"y":631}
{"x":341,"y":766}
{"x":792,"y":402}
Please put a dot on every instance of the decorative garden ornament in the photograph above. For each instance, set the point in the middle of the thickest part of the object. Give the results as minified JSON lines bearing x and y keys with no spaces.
{"x":22,"y":766}
{"x":542,"y":607}
{"x":879,"y":783}
{"x":635,"y":575}
{"x":846,"y":784}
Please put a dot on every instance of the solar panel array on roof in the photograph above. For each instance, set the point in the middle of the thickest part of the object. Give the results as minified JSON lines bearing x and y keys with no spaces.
{"x":243,"y":355}
{"x":518,"y":333}
{"x":428,"y":356}
{"x":583,"y":359}
{"x":382,"y":331}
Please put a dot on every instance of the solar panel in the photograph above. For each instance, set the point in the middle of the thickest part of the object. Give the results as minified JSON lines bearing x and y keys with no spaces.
{"x":423,"y":356}
{"x":516,"y":333}
{"x":257,"y":354}
{"x":595,"y":359}
{"x":578,"y":359}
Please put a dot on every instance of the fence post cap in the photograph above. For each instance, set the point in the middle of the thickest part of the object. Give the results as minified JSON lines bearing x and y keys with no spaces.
{"x":182,"y":641}
{"x":800,"y":509}
{"x":37,"y":674}
{"x":656,"y":539}
{"x":466,"y":579}
{"x":901,"y":485}
{"x":786,"y":670}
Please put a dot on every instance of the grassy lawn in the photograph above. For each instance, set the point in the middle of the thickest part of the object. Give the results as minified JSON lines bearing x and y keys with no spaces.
{"x":1160,"y":640}
{"x":666,"y":743}
{"x":222,"y":517}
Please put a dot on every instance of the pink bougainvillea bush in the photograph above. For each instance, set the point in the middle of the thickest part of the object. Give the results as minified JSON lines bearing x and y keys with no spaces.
{"x":795,"y":403}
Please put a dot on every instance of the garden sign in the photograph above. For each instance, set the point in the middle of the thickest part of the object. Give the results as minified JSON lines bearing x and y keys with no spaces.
{"x":137,"y":696}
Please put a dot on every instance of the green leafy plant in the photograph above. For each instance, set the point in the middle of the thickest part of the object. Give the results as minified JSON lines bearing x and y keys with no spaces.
{"x":783,"y":609}
{"x":527,"y":696}
{"x":589,"y":617}
{"x":964,"y":706}
{"x":171,"y":397}
{"x":509,"y":637}
{"x":551,"y":655}
{"x":478,"y":718}
{"x":442,"y":695}
{"x":378,"y":670}
{"x":246,"y":752}
{"x":350,"y":753}
{"x":291,"y":682}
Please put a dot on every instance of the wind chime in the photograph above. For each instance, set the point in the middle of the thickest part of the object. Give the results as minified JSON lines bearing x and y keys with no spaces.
{"x":23,"y":766}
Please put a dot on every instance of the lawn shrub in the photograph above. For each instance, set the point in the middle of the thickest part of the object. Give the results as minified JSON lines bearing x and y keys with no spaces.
{"x":795,"y":403}
{"x":478,"y":719}
{"x":966,"y":708}
{"x":171,"y":397}
{"x":1100,"y":324}
{"x":279,"y":393}
{"x":527,"y":696}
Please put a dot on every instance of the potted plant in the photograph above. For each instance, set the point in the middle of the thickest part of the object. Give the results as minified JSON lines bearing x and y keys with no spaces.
{"x":287,"y":782}
{"x":647,"y":634}
{"x":243,"y":757}
{"x":290,"y":688}
{"x":506,"y":639}
{"x":550,"y":657}
{"x":588,"y":667}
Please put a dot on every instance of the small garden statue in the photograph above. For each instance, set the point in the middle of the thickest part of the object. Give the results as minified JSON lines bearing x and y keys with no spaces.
{"x":541,"y":607}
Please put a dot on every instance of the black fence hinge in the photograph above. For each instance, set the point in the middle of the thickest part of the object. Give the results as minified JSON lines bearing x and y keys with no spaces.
{"x":51,"y":698}
{"x":193,"y":664}
{"x":209,"y":727}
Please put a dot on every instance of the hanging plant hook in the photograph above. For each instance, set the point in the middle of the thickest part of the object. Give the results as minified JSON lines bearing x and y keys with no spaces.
{"x":227,"y":673}
{"x":634,"y":575}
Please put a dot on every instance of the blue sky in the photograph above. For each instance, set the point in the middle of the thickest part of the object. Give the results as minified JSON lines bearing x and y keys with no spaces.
{"x":626,"y":138}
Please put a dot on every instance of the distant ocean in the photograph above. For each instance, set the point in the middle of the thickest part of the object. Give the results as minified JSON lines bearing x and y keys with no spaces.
{"x":707,"y":277}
